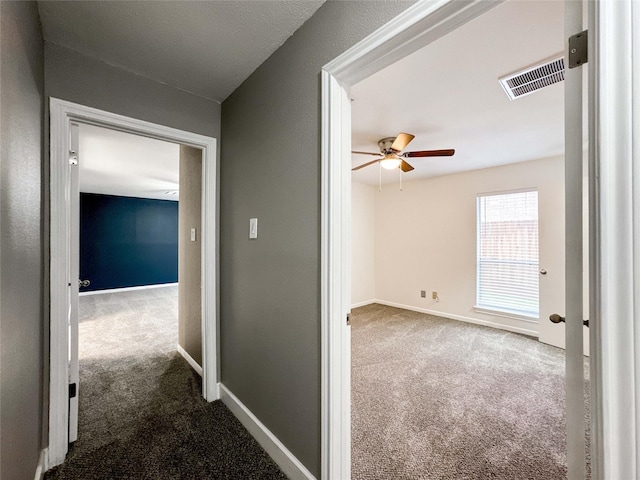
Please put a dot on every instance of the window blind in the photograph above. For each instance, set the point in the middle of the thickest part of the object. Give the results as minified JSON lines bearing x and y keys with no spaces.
{"x":507,"y":264}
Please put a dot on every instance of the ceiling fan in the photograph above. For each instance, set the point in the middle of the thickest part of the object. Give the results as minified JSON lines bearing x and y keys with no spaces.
{"x":390,"y":156}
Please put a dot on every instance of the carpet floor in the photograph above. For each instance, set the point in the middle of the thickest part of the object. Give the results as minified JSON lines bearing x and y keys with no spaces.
{"x":434,"y":398}
{"x":141,"y":413}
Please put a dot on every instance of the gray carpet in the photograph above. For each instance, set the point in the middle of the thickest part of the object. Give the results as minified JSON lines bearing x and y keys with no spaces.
{"x":141,"y":412}
{"x":440,"y":399}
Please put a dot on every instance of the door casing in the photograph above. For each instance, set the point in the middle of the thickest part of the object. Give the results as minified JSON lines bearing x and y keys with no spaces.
{"x":62,"y":113}
{"x":416,"y":27}
{"x":614,"y":346}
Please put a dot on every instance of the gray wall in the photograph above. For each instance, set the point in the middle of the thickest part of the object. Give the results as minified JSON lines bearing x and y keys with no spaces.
{"x":270,"y":289}
{"x":77,"y":78}
{"x":189,"y":255}
{"x":21,"y":286}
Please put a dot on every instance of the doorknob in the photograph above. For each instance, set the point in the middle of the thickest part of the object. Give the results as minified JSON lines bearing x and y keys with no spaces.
{"x":555,"y":318}
{"x":84,"y":283}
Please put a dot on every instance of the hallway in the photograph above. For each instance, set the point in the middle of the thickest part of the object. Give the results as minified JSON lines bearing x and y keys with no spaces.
{"x":141,"y":411}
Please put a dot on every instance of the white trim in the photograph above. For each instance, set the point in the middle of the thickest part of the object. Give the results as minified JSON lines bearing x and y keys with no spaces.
{"x":61,"y":114}
{"x":288,"y":463}
{"x":597,"y":432}
{"x":419,"y":25}
{"x":42,"y":465}
{"x":506,"y":314}
{"x":452,"y":316}
{"x":127,"y":289}
{"x":507,"y":192}
{"x":335,"y":286}
{"x":614,"y":68}
{"x":363,"y":304}
{"x":190,"y":360}
{"x":574,"y":260}
{"x":58,"y":278}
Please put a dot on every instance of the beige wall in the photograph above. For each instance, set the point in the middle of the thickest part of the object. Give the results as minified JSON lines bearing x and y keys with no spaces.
{"x":189,"y":253}
{"x":426,"y":240}
{"x":363,"y":234}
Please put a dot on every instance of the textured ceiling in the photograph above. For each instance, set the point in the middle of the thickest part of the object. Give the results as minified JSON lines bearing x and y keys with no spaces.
{"x":448,"y":95}
{"x":208,"y":48}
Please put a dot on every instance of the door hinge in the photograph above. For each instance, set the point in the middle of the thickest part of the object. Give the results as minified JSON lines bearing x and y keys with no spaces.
{"x":578,"y":49}
{"x":348,"y":319}
{"x":73,"y":157}
{"x":72,"y":390}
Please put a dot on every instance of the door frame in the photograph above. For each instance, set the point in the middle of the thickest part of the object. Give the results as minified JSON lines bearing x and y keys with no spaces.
{"x":614,"y":224}
{"x":416,"y":27}
{"x":62,"y":113}
{"x":615,"y":346}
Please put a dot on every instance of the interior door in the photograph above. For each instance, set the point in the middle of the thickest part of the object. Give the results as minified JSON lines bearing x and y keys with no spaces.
{"x":570,"y":333}
{"x":575,"y":228}
{"x":575,"y":75}
{"x":74,"y":278}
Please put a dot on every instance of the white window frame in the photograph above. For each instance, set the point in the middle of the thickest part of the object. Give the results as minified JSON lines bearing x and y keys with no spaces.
{"x":496,"y":309}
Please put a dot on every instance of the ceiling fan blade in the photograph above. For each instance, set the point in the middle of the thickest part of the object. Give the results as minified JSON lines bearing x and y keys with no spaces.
{"x":365,"y":153}
{"x":405,"y":167}
{"x":365,"y":164}
{"x":430,"y":153}
{"x":401,"y":141}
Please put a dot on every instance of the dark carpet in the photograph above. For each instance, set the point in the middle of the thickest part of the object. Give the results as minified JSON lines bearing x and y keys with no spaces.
{"x":434,"y":398}
{"x":142,"y":415}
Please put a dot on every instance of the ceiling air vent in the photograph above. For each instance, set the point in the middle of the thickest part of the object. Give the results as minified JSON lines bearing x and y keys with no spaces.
{"x":533,"y":78}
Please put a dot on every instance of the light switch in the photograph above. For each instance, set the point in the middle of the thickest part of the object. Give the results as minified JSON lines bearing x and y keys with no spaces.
{"x":193,"y":234}
{"x":253,"y":228}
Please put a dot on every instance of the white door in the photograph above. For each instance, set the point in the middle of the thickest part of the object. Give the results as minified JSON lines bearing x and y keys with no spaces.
{"x":570,"y":333}
{"x":574,"y":242}
{"x":574,"y":251}
{"x":74,"y":278}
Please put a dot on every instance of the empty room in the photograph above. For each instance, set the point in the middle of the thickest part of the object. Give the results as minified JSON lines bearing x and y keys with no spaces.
{"x":458,"y":255}
{"x":138,"y":319}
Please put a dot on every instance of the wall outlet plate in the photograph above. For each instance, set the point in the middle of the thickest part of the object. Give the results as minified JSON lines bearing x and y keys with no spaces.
{"x":434,"y":295}
{"x":423,"y":293}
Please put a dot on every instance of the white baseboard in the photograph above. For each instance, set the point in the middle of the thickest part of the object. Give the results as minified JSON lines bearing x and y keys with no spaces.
{"x":362,"y":304}
{"x":190,"y":360}
{"x":486,"y":323}
{"x":127,"y":289}
{"x":42,"y":467}
{"x":288,"y":463}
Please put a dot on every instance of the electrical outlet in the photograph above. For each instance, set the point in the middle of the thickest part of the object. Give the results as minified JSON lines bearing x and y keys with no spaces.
{"x":434,"y":295}
{"x":423,"y":293}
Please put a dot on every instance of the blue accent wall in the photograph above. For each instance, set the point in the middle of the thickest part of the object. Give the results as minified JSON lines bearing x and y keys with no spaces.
{"x":127,"y":242}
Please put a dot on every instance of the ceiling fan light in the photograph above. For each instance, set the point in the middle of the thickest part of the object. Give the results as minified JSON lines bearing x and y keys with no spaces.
{"x":390,"y":162}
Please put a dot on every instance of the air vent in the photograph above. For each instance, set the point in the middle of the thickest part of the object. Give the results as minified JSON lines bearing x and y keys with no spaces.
{"x":533,"y":78}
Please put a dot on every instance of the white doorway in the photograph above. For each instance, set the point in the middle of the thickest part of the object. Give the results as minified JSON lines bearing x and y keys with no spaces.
{"x":416,"y":27}
{"x":427,"y":231}
{"x":64,"y":115}
{"x":134,"y":244}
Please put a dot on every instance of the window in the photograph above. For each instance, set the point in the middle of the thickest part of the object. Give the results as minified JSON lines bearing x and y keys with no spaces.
{"x":508,"y":253}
